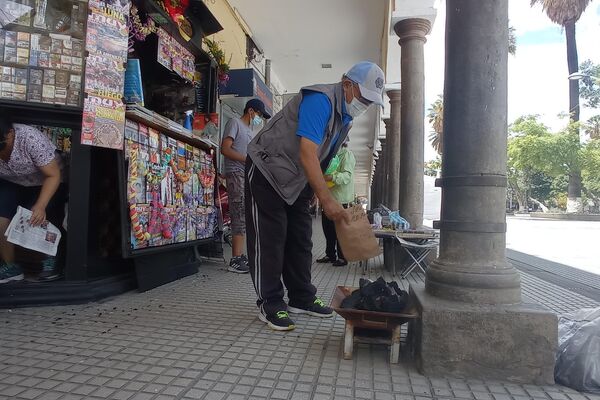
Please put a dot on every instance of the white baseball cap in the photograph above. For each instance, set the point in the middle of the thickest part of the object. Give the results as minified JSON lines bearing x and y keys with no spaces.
{"x":370,"y":79}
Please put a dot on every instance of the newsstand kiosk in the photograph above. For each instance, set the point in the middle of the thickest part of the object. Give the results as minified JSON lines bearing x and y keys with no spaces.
{"x":115,"y":85}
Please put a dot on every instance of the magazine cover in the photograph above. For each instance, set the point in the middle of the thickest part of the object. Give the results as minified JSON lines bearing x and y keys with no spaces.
{"x":103,"y":122}
{"x":106,"y":42}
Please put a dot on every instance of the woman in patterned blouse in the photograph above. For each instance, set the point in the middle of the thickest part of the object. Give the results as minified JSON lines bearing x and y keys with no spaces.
{"x":30,"y":176}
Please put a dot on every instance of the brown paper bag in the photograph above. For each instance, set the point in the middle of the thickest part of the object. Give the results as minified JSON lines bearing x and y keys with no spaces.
{"x":357,"y":238}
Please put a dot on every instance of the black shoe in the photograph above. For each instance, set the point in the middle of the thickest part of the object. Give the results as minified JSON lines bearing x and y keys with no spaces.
{"x":325,"y":260}
{"x":239,"y":265}
{"x":49,"y":271}
{"x":340,"y":263}
{"x":317,"y":309}
{"x":280,"y":321}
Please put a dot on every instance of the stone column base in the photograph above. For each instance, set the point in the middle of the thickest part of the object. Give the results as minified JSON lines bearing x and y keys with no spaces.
{"x":508,"y":342}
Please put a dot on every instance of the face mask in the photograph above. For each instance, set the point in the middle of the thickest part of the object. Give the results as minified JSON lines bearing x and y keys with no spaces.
{"x":356,"y":108}
{"x":256,"y":120}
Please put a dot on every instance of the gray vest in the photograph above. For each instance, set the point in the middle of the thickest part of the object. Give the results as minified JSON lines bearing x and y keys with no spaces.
{"x":276,"y":148}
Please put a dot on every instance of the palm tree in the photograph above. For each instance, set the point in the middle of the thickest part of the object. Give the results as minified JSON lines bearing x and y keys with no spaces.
{"x":435,"y":114}
{"x":566,"y":13}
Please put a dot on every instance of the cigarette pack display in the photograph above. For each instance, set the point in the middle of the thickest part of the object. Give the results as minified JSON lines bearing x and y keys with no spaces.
{"x":23,"y":56}
{"x":36,"y":76}
{"x":45,"y":43}
{"x":7,"y":74}
{"x":10,"y":54}
{"x":20,"y":92}
{"x":21,"y":76}
{"x":55,"y":61}
{"x":49,"y":77}
{"x":77,"y":46}
{"x":48,"y":93}
{"x":65,"y":62}
{"x":60,"y":96}
{"x":34,"y":93}
{"x":43,"y":59}
{"x":23,"y":39}
{"x":10,"y":38}
{"x":56,"y":45}
{"x":34,"y":50}
{"x":73,"y":97}
{"x":75,"y":82}
{"x":76,"y":64}
{"x":62,"y":79}
{"x":7,"y":89}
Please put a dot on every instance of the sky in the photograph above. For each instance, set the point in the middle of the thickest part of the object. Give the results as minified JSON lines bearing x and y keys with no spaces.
{"x":537,"y":74}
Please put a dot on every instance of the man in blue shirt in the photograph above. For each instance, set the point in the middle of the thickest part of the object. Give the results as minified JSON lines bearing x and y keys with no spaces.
{"x":284,"y":170}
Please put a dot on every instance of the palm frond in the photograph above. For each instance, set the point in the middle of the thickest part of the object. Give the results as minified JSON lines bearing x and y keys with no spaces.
{"x":562,"y":11}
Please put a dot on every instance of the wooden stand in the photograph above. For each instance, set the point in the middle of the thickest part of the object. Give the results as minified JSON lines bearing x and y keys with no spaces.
{"x":370,"y":326}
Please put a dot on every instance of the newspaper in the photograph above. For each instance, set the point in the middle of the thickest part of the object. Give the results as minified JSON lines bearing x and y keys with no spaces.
{"x":43,"y":238}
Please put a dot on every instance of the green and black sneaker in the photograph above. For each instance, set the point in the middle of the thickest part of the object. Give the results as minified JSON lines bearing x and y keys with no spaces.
{"x":317,"y":309}
{"x":279,"y":321}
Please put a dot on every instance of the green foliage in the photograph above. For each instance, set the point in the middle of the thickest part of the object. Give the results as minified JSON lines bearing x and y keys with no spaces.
{"x":590,"y":168}
{"x":540,"y":162}
{"x":435,"y":115}
{"x":589,"y":85}
{"x":433,"y":167}
{"x":512,"y":40}
{"x":592,"y":127}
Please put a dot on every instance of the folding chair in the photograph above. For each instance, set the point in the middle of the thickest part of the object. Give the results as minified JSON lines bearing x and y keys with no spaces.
{"x":418,"y":253}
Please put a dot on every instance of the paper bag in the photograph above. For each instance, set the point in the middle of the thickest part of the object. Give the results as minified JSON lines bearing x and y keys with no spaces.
{"x":357,"y":238}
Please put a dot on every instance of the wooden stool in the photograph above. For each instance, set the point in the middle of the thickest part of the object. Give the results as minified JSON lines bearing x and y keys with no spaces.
{"x":367,"y":326}
{"x":358,"y":332}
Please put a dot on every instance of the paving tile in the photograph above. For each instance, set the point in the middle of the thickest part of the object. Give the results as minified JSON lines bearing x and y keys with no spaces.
{"x":204,"y":342}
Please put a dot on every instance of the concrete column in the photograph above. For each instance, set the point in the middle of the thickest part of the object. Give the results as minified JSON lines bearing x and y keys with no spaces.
{"x":412,"y":34}
{"x":392,"y":134}
{"x":472,"y":265}
{"x":473,"y":323}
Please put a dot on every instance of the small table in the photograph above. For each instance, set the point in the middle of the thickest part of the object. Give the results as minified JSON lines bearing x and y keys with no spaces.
{"x":411,"y":234}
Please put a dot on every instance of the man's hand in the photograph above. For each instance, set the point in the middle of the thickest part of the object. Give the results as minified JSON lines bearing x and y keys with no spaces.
{"x":328,"y":178}
{"x":334,"y":210}
{"x":38,"y":215}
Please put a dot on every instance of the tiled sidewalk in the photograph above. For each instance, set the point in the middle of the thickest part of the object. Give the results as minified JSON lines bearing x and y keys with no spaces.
{"x":199,"y":338}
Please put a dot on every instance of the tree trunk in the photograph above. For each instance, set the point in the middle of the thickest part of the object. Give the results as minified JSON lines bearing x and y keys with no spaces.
{"x":573,"y":62}
{"x":574,"y":203}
